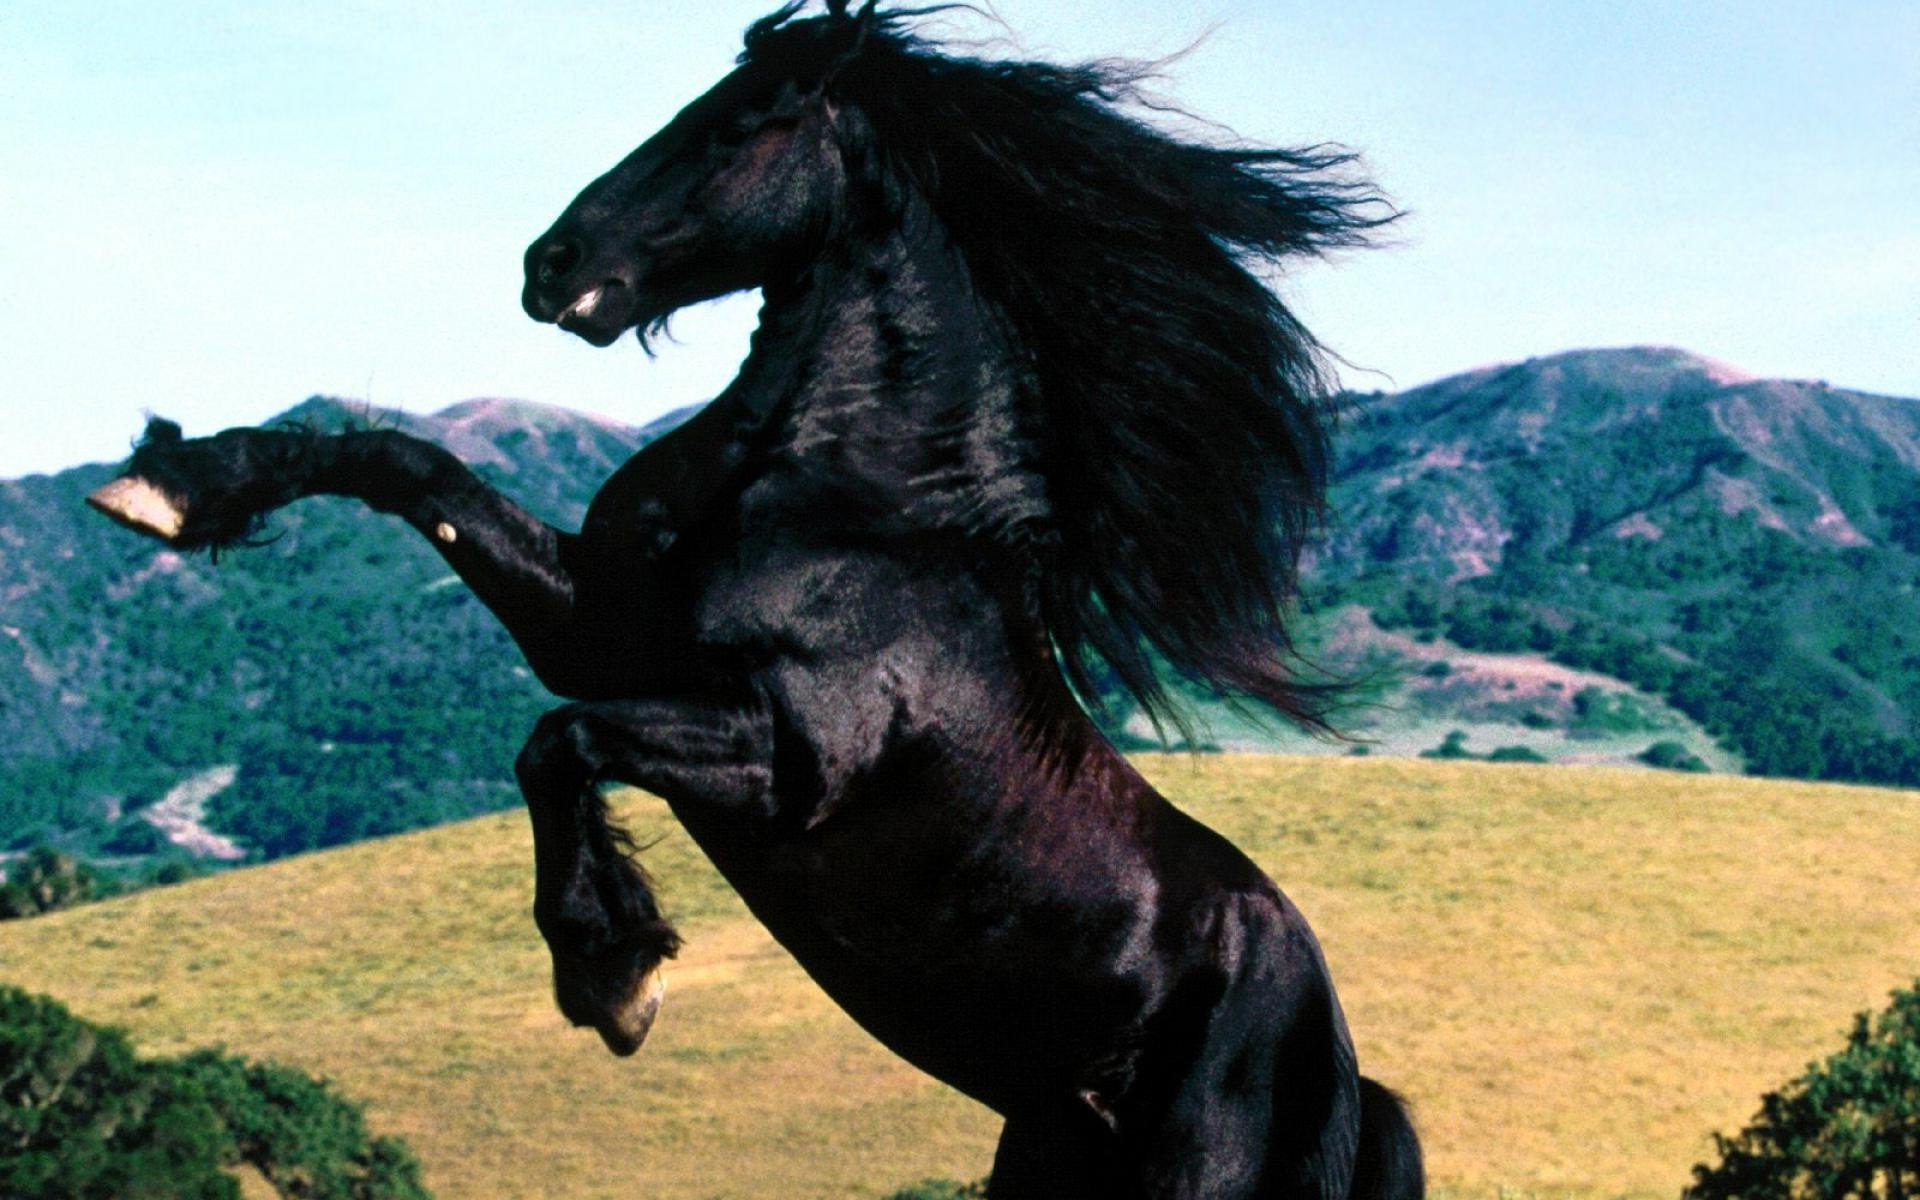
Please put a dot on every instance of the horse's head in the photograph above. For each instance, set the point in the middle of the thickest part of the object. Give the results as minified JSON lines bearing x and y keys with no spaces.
{"x":735,"y":189}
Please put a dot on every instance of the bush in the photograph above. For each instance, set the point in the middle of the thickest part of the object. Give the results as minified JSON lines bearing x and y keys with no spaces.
{"x":942,"y":1189}
{"x":1848,"y":1129}
{"x":82,"y":1117}
{"x":305,"y":1140}
{"x":1519,"y":754}
{"x":44,"y":880}
{"x":1672,"y":756}
{"x":136,"y":838}
{"x":1454,"y":745}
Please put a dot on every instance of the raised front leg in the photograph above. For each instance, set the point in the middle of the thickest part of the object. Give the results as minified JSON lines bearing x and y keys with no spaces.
{"x":540,"y":581}
{"x":214,"y":492}
{"x":591,"y":900}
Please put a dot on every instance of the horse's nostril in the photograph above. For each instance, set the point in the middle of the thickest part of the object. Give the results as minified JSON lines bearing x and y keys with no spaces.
{"x":558,"y":260}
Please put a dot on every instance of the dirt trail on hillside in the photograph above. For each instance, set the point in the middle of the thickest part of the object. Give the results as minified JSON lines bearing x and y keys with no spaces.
{"x":181,"y":813}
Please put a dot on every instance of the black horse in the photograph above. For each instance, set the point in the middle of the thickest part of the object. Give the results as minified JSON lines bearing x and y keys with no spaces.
{"x":1021,"y":426}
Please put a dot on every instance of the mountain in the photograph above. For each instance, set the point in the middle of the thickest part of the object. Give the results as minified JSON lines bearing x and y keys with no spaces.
{"x":330,"y":685}
{"x":1745,"y":549}
{"x":1573,"y":558}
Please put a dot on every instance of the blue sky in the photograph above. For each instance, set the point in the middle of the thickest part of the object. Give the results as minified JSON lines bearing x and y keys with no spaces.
{"x":215,"y":209}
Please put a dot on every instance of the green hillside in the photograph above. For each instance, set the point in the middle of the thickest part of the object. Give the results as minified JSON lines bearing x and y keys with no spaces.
{"x":1575,"y":974}
{"x":332,"y":684}
{"x":1745,"y":550}
{"x":1578,"y":557}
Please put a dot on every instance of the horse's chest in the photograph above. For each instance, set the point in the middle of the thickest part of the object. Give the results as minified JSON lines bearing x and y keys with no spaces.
{"x":768,"y":594}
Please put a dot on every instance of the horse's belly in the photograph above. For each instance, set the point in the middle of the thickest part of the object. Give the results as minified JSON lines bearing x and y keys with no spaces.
{"x":974,"y":981}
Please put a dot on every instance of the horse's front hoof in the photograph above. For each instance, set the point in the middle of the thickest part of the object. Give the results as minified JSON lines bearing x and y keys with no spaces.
{"x":141,"y":507}
{"x":626,"y":1027}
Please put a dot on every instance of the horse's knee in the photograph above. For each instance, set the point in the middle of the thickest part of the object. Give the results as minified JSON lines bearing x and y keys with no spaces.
{"x":555,"y":752}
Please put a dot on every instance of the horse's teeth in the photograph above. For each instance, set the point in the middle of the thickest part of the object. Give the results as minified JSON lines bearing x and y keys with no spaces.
{"x":584,"y":306}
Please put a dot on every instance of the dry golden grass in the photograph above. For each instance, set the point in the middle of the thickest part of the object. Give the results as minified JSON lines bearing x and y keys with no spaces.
{"x":1574,"y":974}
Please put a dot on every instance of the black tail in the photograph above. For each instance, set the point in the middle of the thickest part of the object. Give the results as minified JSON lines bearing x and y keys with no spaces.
{"x":1389,"y":1166}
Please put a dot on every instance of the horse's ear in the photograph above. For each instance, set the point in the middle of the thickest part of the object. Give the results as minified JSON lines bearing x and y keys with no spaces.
{"x":160,"y":432}
{"x":863,"y":22}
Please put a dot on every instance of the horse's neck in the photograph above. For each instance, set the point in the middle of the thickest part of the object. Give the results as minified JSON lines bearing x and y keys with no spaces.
{"x":899,"y":378}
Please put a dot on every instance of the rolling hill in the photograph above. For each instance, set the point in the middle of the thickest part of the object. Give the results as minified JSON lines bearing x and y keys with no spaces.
{"x":1574,"y":557}
{"x":1746,"y":550}
{"x":1575,"y":974}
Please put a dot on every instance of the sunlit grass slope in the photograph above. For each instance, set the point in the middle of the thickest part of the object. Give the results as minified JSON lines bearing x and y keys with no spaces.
{"x":1575,"y":975}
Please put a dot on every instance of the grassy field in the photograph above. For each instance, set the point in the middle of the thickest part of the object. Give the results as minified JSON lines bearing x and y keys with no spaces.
{"x":1574,"y":974}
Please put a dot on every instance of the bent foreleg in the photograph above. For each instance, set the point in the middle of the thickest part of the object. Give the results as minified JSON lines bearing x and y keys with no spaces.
{"x":592,"y":902}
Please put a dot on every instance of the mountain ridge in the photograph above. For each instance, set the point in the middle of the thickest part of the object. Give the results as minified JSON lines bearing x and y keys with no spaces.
{"x":1741,"y":553}
{"x":1658,"y":516}
{"x":356,"y":691}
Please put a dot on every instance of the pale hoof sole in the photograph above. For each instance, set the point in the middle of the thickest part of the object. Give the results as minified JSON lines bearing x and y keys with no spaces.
{"x":627,"y":1027}
{"x":140,"y":506}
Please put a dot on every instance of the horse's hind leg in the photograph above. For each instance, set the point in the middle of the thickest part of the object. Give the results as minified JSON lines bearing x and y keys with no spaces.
{"x":1063,"y":1154}
{"x":591,"y":900}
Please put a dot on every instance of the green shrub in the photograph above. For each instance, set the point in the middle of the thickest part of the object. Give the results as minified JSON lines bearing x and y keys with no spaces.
{"x":942,"y":1189}
{"x":1454,"y":745}
{"x":82,"y":1117}
{"x":1672,"y":756}
{"x":1519,"y":754}
{"x":44,"y":880}
{"x":304,"y":1139}
{"x":1847,"y":1129}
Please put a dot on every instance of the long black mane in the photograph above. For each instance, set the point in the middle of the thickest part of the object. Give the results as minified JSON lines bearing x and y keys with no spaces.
{"x":1181,"y":409}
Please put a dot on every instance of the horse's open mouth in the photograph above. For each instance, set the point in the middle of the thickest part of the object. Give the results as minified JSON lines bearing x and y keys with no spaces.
{"x":600,"y":314}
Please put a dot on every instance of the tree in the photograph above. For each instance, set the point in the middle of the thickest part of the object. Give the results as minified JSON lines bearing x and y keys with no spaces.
{"x":306,"y":1141}
{"x":1847,"y":1129}
{"x":43,"y":880}
{"x":81,"y":1117}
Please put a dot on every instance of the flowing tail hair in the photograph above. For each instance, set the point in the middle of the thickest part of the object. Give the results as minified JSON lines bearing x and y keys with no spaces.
{"x":1389,"y":1166}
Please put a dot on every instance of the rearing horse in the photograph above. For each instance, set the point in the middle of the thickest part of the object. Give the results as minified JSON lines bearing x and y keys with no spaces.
{"x":1020,"y":421}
